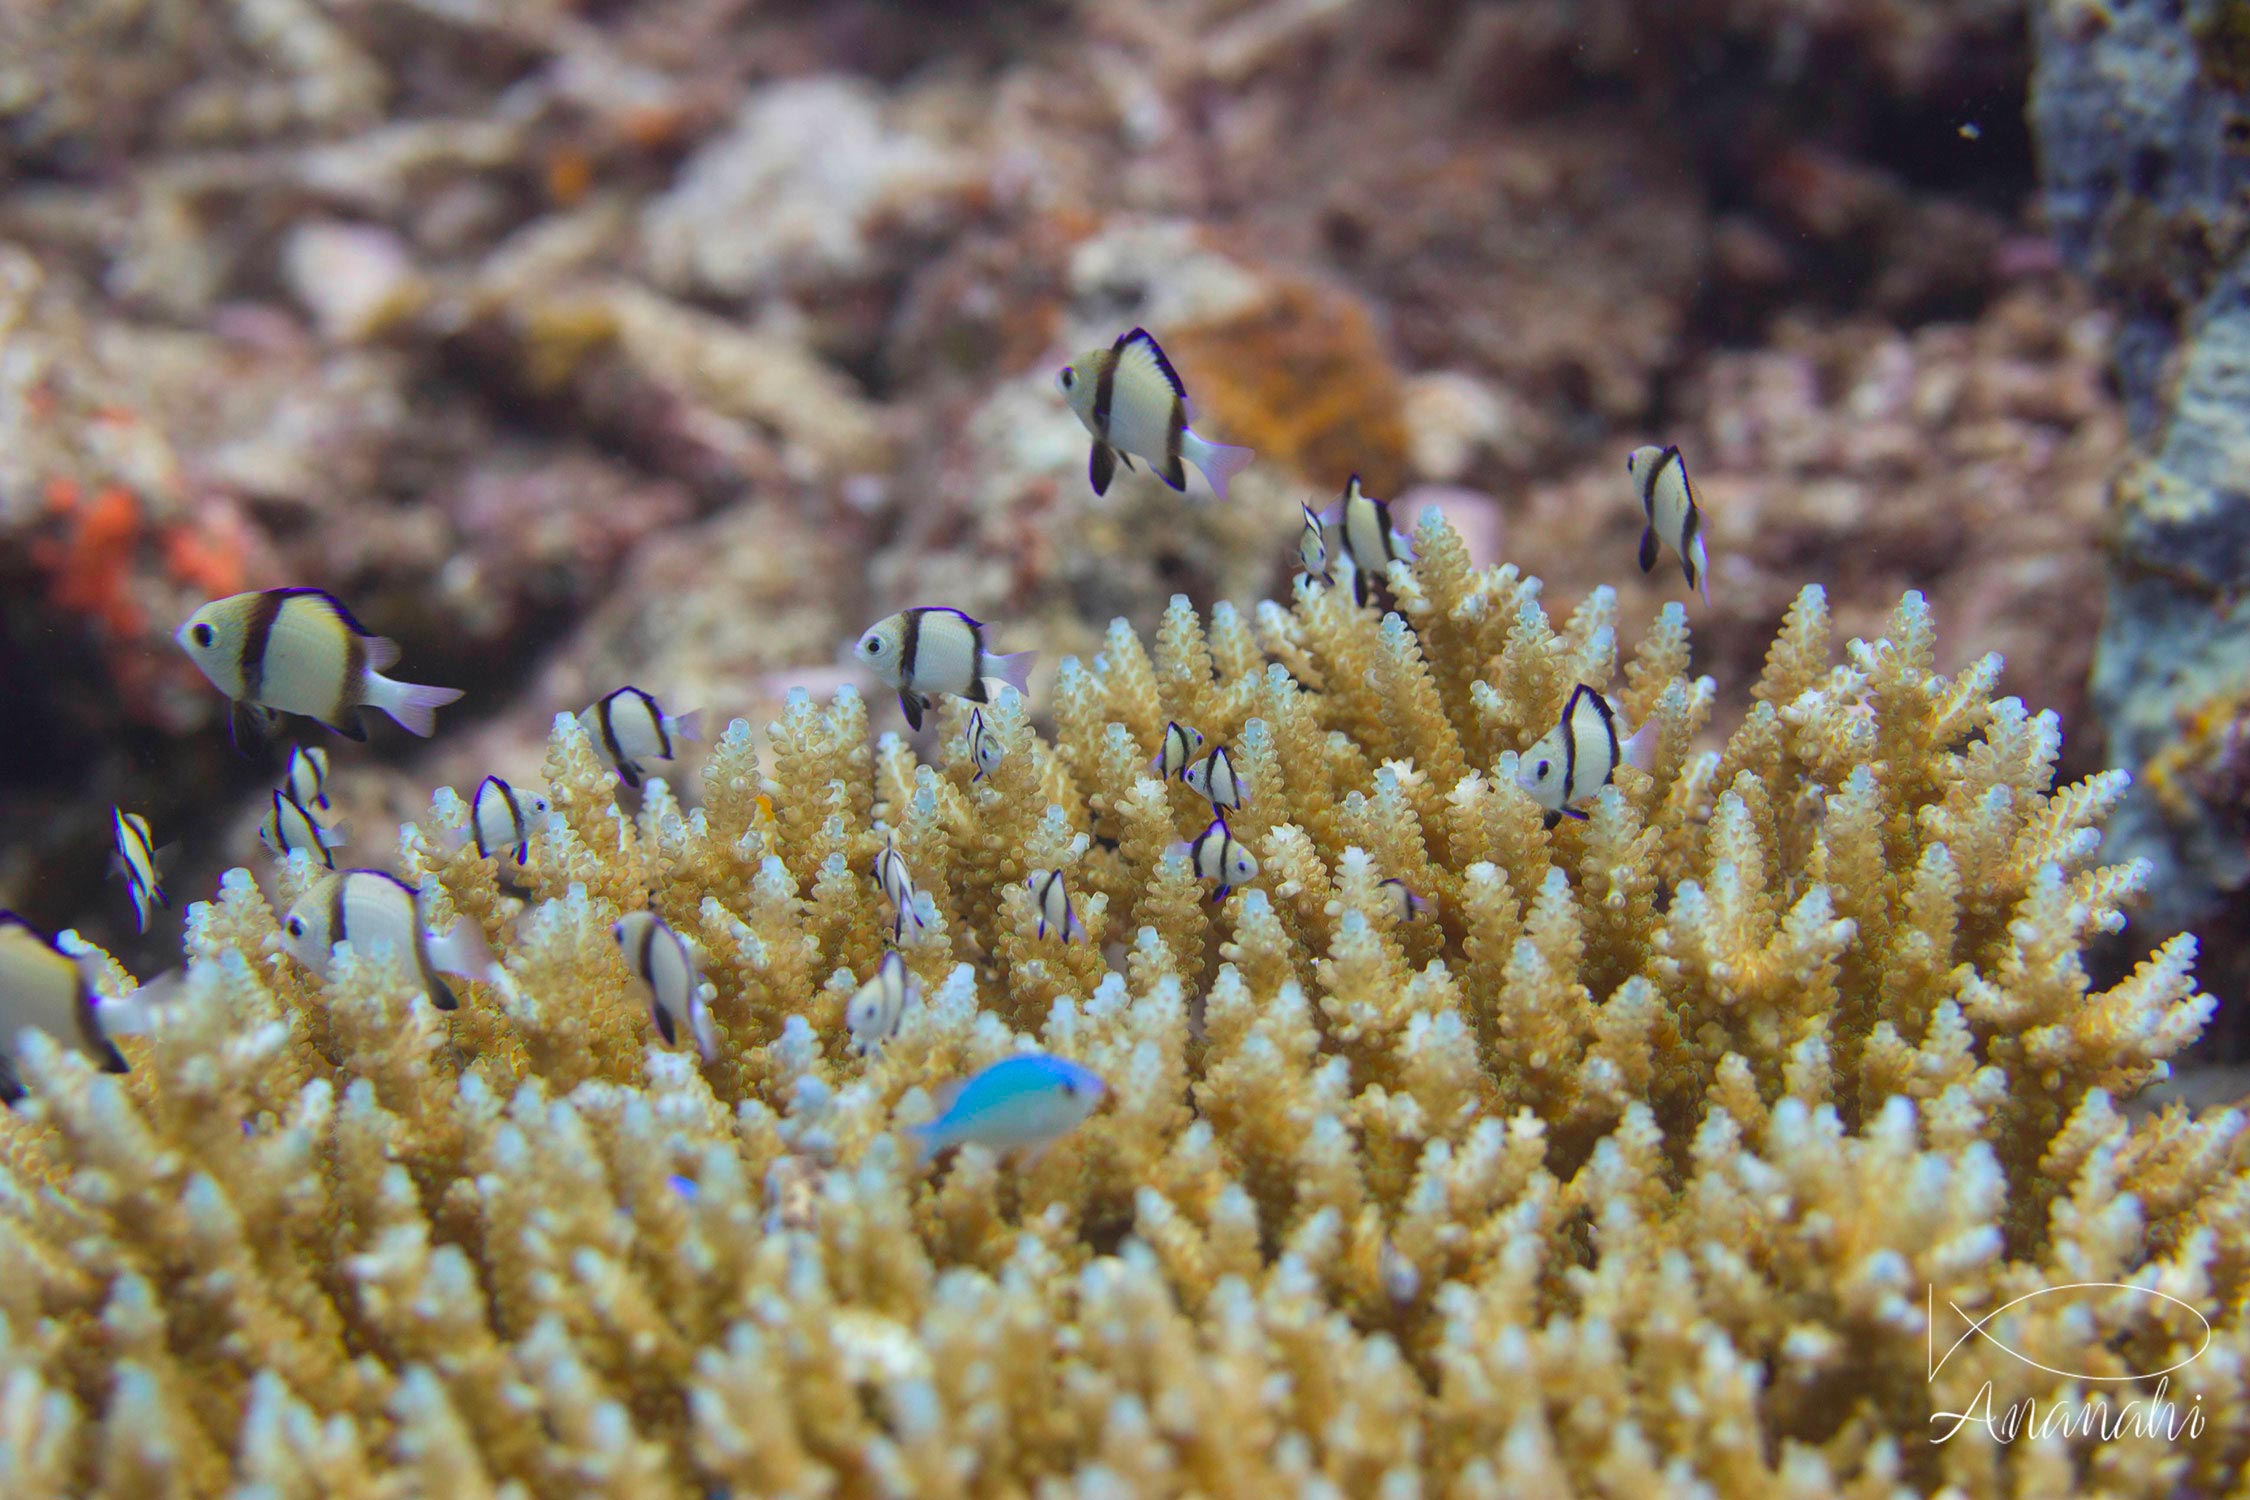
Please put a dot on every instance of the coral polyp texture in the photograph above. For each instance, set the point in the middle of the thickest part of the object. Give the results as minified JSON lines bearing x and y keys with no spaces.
{"x":1654,"y":1155}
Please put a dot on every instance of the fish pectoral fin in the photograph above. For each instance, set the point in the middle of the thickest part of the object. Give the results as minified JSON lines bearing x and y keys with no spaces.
{"x":248,"y":725}
{"x":1101,"y":467}
{"x":1648,"y":549}
{"x":351,"y":727}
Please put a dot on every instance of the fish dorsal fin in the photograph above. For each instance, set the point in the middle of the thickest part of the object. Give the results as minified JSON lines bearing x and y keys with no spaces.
{"x":1140,"y":347}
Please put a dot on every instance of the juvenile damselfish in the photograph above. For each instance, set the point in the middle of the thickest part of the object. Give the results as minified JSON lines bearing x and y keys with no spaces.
{"x":42,"y":986}
{"x":1213,"y":779}
{"x":299,"y":651}
{"x":1052,"y":899}
{"x":290,"y":826}
{"x":875,"y":1009}
{"x":137,"y":861}
{"x":1131,"y":400}
{"x":307,"y":780}
{"x":500,"y":816}
{"x":1668,"y":503}
{"x":985,"y":751}
{"x":661,"y":961}
{"x":632,"y":727}
{"x":931,"y":649}
{"x":378,"y":913}
{"x":893,"y":880}
{"x":1180,"y":742}
{"x":1370,"y":544}
{"x":1215,"y":854}
{"x":1022,"y":1103}
{"x":1575,"y":759}
{"x":1312,"y":545}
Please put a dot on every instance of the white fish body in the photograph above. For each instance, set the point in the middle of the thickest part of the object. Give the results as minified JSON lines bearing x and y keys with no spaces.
{"x":1180,"y":743}
{"x":1131,"y":400}
{"x":1215,"y":854}
{"x":874,"y":1011}
{"x":1021,"y":1103}
{"x":659,"y":958}
{"x":1576,"y":758}
{"x":42,"y":986}
{"x":299,"y":651}
{"x":1405,"y":905}
{"x":290,"y":826}
{"x":933,"y":649}
{"x":1213,"y":779}
{"x":138,"y":859}
{"x":1673,"y":518}
{"x":985,"y":750}
{"x":632,"y":727}
{"x":1051,"y":898}
{"x":307,"y":780}
{"x":1312,"y":545}
{"x":896,"y":882}
{"x":1367,"y":540}
{"x":500,"y":818}
{"x":377,"y":913}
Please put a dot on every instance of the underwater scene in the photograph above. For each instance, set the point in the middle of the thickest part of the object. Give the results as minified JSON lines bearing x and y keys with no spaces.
{"x":1092,"y":749}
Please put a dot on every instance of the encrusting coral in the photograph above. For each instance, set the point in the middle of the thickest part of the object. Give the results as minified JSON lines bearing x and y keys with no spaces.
{"x":1648,"y":1160}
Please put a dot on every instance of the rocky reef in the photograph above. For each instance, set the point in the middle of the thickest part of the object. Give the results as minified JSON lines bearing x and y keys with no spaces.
{"x":1641,"y":1161}
{"x":2142,"y":116}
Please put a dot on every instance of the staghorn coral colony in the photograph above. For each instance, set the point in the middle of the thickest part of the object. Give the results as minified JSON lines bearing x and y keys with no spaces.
{"x":1651,"y":1154}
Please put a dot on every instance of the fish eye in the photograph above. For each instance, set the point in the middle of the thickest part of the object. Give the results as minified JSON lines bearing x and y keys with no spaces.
{"x":1542,"y":769}
{"x":203,"y":634}
{"x":296,"y":927}
{"x":871,"y":647}
{"x":1068,"y":378}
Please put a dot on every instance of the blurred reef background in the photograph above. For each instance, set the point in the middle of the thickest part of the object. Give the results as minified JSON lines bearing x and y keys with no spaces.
{"x":578,"y":344}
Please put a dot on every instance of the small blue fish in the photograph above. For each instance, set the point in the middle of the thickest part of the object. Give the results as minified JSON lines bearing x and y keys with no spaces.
{"x":1021,"y":1103}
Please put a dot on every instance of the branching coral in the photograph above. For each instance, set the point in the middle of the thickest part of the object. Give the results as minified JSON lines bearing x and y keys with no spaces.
{"x":1639,"y":1163}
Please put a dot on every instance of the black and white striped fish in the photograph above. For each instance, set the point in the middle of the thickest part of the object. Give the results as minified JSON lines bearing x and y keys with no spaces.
{"x":1213,"y":779}
{"x":1405,"y":905}
{"x":1215,"y":854}
{"x":1575,"y":759}
{"x":892,"y":878}
{"x":1180,"y":742}
{"x":307,"y":780}
{"x":1674,"y":520}
{"x":138,"y":862}
{"x":290,"y":826}
{"x":42,"y":986}
{"x":1312,"y":545}
{"x":1131,"y":400}
{"x":378,"y":913}
{"x":500,"y":816}
{"x":1052,"y":899}
{"x":985,"y":751}
{"x":299,"y":651}
{"x":876,"y":1007}
{"x":660,"y":959}
{"x":632,"y":727}
{"x":931,"y":649}
{"x":1367,"y":541}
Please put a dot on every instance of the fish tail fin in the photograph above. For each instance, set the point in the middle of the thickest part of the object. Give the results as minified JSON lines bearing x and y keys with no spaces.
{"x":1698,"y":565}
{"x":1074,"y":931}
{"x":1218,"y":461}
{"x":689,"y":726}
{"x":336,"y":835}
{"x":1639,"y":749}
{"x":1014,"y":669}
{"x":1402,"y":546}
{"x":462,"y":950}
{"x":925,"y":1140}
{"x":411,"y":704}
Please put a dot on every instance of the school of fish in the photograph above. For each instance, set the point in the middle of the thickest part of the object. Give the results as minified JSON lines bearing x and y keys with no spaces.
{"x":284,"y":654}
